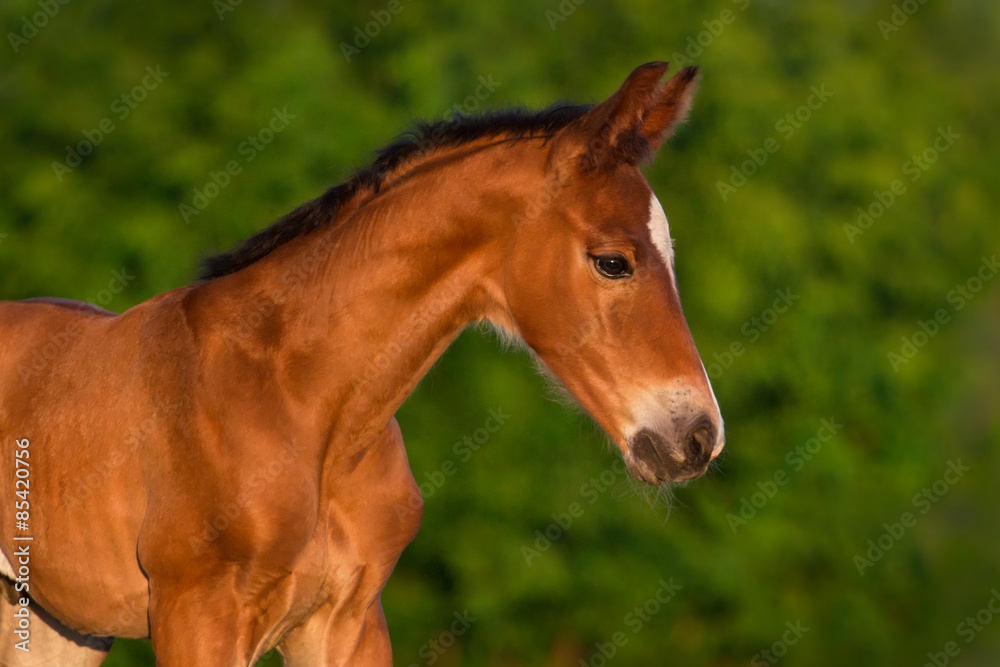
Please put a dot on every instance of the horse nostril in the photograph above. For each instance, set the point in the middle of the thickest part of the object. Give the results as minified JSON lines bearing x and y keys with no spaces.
{"x":646,"y":447}
{"x":700,"y":443}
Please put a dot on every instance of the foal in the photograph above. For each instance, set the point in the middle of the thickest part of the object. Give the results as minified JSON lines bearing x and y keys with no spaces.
{"x":219,"y":468}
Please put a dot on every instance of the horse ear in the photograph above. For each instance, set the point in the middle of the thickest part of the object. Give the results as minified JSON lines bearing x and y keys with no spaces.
{"x":630,"y":124}
{"x":670,"y":108}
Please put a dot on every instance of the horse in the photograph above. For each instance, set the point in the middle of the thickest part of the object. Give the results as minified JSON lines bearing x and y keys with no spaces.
{"x":219,"y":468}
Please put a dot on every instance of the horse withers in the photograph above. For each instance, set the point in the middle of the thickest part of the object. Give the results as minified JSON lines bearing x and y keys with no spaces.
{"x":219,"y":469}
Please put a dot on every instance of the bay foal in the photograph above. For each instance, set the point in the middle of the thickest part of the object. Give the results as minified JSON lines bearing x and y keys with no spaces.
{"x":219,"y":468}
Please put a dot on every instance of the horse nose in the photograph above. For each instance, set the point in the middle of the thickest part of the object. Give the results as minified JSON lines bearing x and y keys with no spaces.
{"x":656,"y":455}
{"x":700,"y":443}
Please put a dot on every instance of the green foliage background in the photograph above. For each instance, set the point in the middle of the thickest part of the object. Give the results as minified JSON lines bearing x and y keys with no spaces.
{"x":825,"y":358}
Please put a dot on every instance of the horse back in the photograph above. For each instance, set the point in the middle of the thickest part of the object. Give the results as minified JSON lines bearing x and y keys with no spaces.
{"x":71,"y":304}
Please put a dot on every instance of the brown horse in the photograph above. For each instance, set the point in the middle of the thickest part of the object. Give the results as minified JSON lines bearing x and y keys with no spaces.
{"x":219,"y":469}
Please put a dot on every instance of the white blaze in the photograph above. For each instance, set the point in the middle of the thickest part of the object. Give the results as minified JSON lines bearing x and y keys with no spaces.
{"x":659,"y":231}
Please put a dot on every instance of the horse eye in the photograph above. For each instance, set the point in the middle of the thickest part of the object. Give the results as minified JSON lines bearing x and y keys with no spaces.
{"x":612,"y":266}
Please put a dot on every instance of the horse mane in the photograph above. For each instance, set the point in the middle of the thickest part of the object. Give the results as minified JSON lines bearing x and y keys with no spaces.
{"x":419,"y":142}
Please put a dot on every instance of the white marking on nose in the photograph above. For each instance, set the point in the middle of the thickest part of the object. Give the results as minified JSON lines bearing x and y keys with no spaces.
{"x":659,"y":231}
{"x":720,"y":439}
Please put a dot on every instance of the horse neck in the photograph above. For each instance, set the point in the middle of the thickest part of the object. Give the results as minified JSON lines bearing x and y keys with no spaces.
{"x":368,"y":304}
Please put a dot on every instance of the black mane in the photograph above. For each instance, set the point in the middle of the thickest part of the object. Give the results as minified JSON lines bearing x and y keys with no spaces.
{"x":424,"y":138}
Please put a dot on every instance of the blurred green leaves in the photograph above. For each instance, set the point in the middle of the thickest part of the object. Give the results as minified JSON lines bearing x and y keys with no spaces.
{"x":782,"y":229}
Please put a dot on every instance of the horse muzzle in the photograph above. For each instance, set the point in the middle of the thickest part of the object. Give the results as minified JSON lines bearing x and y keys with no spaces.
{"x":677,"y":450}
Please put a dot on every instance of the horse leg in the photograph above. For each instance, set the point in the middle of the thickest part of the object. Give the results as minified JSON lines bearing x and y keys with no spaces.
{"x":199,"y":625}
{"x":50,"y":642}
{"x":327,"y":641}
{"x":374,"y":647}
{"x":376,"y":510}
